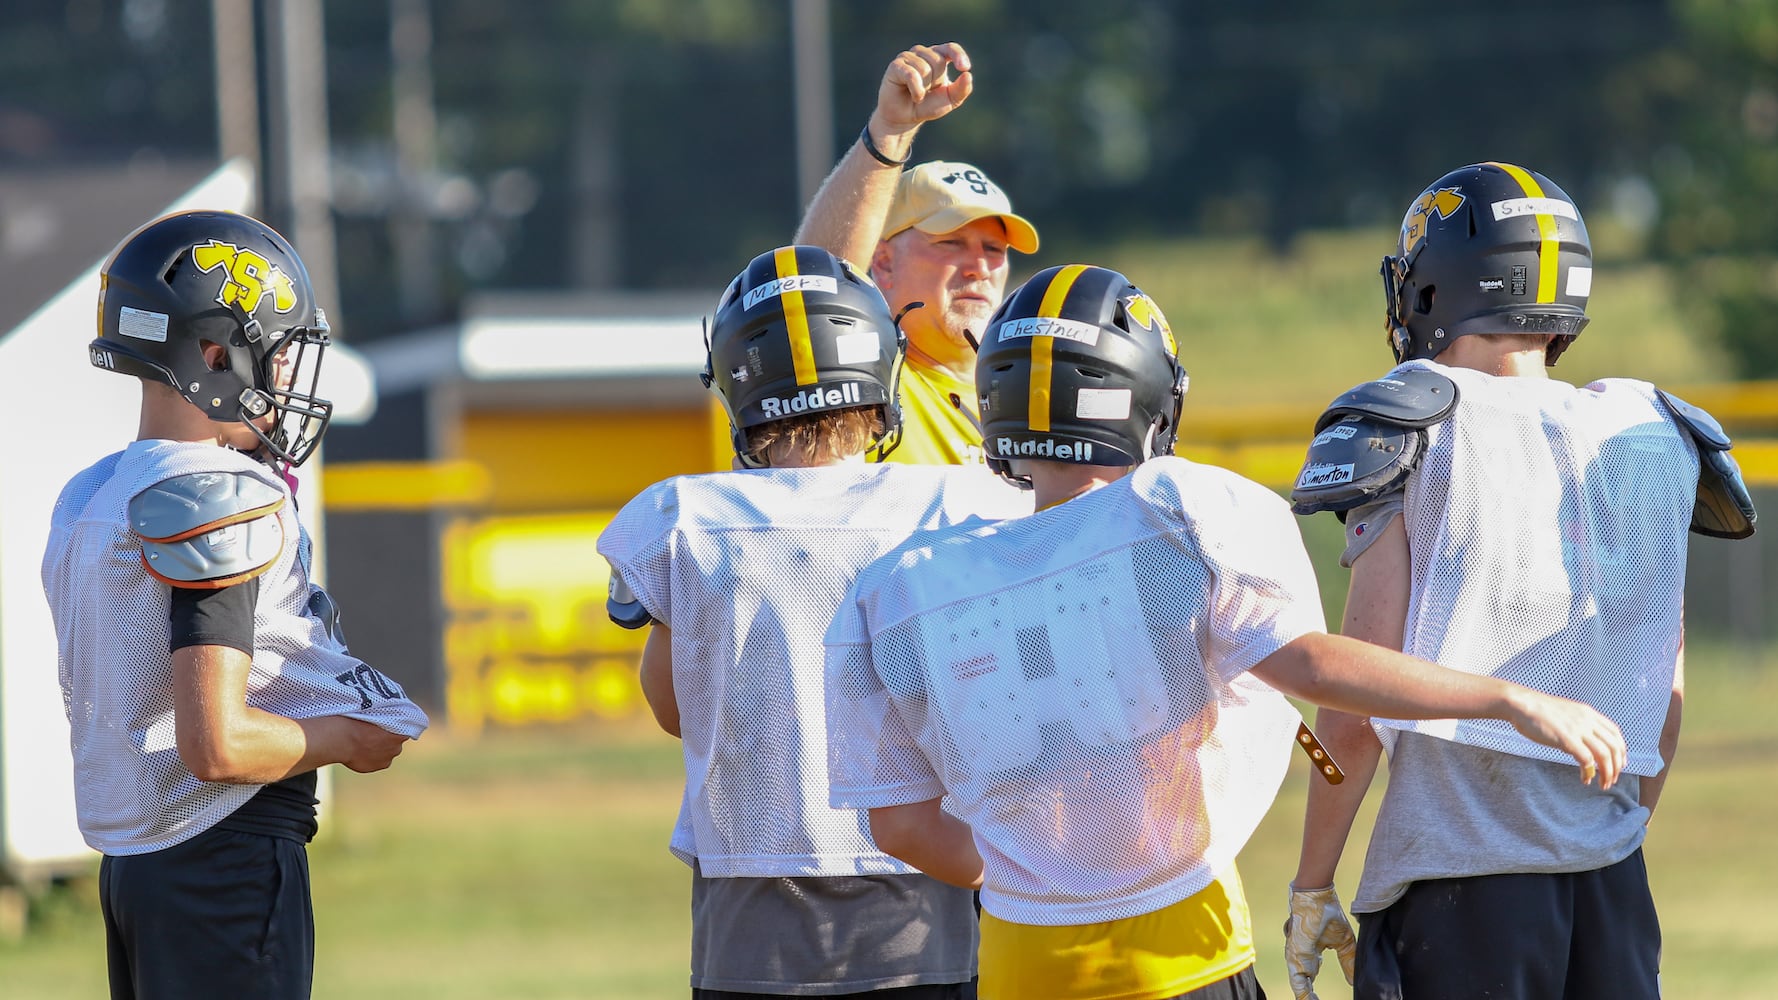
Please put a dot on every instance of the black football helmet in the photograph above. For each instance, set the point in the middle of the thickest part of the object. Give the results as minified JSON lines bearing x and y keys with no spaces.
{"x":1488,"y":248}
{"x":222,"y":278}
{"x":1078,"y":365}
{"x":801,"y":331}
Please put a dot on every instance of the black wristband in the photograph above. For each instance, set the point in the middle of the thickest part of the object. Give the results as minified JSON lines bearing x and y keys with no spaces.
{"x":871,"y":148}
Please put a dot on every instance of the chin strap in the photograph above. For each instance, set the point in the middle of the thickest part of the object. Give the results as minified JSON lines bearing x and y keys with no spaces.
{"x":1324,"y":764}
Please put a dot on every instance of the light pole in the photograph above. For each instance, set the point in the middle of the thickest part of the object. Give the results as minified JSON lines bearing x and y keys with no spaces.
{"x":811,"y":44}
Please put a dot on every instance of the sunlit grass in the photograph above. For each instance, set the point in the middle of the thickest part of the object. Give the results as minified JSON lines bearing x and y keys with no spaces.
{"x":533,"y":864}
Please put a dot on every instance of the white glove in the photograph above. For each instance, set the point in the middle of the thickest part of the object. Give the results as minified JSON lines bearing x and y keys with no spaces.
{"x":1316,"y":923}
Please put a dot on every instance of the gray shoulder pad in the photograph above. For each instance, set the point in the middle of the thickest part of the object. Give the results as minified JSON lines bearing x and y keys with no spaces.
{"x":1724,"y":508}
{"x":1369,"y":439}
{"x":208,"y":530}
{"x":1697,"y":421}
{"x":1413,"y":398}
{"x":623,"y":607}
{"x":1356,"y":458}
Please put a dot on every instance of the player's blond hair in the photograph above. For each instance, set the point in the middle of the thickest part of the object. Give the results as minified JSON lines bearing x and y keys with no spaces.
{"x":815,"y":438}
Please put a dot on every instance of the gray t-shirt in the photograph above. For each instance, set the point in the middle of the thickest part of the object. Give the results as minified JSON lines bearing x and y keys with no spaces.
{"x":824,"y":935}
{"x":1453,"y":810}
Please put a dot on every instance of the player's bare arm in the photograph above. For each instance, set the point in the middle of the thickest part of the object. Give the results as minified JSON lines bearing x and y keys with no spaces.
{"x":1357,"y":677}
{"x":846,"y":215}
{"x":932,"y":840}
{"x":657,"y":678}
{"x":222,"y":738}
{"x":1376,"y":612}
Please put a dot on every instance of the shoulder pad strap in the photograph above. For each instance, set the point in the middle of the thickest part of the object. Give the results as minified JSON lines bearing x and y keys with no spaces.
{"x":1412,"y":398}
{"x":1724,"y":508}
{"x":623,"y":607}
{"x":208,"y":530}
{"x":1355,"y":458}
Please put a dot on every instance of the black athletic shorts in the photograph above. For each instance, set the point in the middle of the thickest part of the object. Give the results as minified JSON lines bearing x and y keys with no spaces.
{"x":1574,"y":936}
{"x":222,"y":916}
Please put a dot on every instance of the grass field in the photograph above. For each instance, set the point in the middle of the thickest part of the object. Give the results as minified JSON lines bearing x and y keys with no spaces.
{"x":533,"y":864}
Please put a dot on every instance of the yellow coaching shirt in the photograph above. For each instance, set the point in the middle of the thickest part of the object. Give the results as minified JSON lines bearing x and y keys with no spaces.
{"x":1202,"y":939}
{"x":939,"y":424}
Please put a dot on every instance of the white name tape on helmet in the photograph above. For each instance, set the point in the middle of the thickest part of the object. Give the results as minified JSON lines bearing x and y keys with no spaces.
{"x":1045,"y":326}
{"x":1533,"y":206}
{"x":1580,"y":281}
{"x":794,"y":283}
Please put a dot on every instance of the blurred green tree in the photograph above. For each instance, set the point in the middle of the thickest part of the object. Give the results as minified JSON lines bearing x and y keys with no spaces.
{"x":1714,"y":91}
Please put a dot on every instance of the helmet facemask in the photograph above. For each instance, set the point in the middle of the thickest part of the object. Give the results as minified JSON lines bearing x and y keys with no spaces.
{"x":300,"y":414}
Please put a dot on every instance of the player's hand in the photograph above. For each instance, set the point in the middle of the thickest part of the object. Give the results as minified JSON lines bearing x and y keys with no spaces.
{"x":1573,"y":727}
{"x":1316,"y":923}
{"x":369,"y":747}
{"x":917,"y":87}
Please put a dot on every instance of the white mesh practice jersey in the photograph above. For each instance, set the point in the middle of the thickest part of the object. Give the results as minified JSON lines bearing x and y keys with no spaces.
{"x":1075,"y":684}
{"x":747,"y":568}
{"x":1547,"y":528}
{"x":132,"y":793}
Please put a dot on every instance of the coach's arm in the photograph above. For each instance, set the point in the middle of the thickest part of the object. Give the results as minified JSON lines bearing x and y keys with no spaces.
{"x":846,"y":215}
{"x":930,"y":839}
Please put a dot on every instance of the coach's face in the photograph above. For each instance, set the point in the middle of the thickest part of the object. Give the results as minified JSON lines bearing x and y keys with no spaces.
{"x":959,"y":275}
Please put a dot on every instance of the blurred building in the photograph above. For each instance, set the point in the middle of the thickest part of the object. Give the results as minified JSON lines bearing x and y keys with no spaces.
{"x":463,"y":521}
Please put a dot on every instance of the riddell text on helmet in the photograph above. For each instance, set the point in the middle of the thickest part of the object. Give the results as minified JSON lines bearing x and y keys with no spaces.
{"x":810,"y":400}
{"x":1080,"y":451}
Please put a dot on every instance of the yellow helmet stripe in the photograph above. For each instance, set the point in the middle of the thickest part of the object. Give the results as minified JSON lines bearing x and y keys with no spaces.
{"x":1549,"y":251}
{"x":1053,"y":297}
{"x":796,"y":319}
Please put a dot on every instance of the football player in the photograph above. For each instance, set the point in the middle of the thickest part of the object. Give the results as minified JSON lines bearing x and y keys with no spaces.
{"x":1516,"y":527}
{"x":203,"y":670}
{"x":737,"y":574}
{"x":1079,"y":711}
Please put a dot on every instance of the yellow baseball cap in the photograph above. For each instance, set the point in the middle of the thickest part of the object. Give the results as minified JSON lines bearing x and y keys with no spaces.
{"x":940,"y":196}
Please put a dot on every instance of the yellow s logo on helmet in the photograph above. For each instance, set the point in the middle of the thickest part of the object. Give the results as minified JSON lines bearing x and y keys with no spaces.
{"x":1144,"y":313}
{"x":247,"y":277}
{"x":1442,"y":202}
